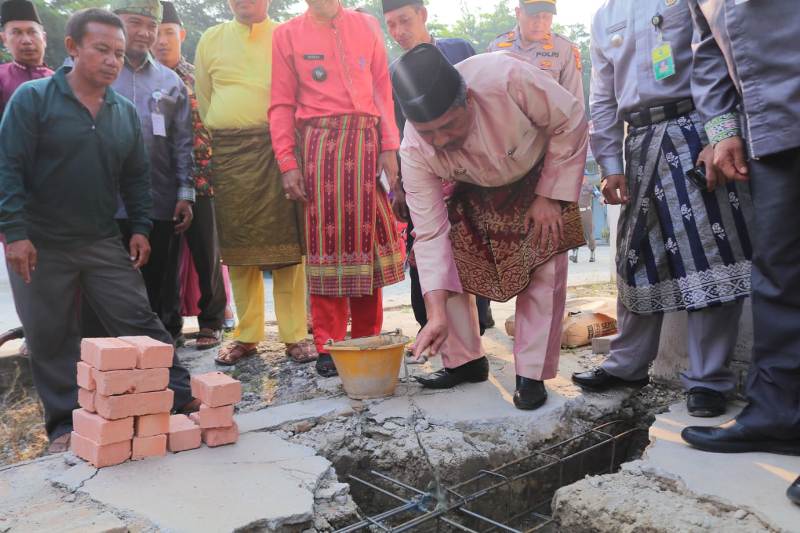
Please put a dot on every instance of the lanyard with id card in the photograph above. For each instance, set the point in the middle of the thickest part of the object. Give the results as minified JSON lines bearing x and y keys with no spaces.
{"x":662,"y":57}
{"x":157,"y":117}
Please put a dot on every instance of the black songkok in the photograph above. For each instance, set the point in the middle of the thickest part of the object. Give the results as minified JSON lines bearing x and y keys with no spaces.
{"x":170,"y":15}
{"x":425,"y":83}
{"x":391,"y":5}
{"x":18,"y":10}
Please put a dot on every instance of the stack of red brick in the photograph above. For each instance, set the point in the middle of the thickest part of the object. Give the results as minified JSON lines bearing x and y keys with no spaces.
{"x":124,"y":399}
{"x":218,"y":393}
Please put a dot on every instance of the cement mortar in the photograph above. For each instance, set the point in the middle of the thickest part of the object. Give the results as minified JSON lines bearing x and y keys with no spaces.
{"x":644,"y":501}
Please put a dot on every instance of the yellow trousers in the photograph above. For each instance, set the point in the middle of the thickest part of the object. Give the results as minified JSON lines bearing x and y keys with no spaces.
{"x":288,"y":292}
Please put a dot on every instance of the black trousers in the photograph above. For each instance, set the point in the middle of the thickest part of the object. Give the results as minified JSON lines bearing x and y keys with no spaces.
{"x":160,"y":278}
{"x":485,"y":319}
{"x":100,"y":273}
{"x":773,"y":387}
{"x":203,"y":244}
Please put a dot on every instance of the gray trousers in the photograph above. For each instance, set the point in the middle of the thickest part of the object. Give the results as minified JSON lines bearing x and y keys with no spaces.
{"x":773,"y":385}
{"x":49,"y":306}
{"x":711,"y":337}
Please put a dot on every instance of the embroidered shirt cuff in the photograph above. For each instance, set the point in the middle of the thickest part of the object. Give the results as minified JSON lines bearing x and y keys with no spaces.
{"x":186,"y":193}
{"x":288,"y":163}
{"x":723,"y":127}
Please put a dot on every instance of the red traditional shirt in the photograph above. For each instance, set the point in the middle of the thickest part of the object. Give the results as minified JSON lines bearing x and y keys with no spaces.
{"x":202,"y":139}
{"x":331,"y":68}
{"x":14,"y":74}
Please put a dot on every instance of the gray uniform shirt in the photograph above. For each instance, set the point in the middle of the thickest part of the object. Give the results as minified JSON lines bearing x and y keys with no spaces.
{"x":623,"y":81}
{"x":157,"y":90}
{"x":558,"y":56}
{"x":748,"y":53}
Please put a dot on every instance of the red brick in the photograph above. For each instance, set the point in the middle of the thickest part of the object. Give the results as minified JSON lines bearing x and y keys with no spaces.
{"x":183,"y":434}
{"x":86,"y":400}
{"x":100,"y":456}
{"x":99,"y":430}
{"x":150,"y":425}
{"x":216,"y":389}
{"x":115,"y":382}
{"x":213,"y":417}
{"x":108,"y":354}
{"x":154,"y":446}
{"x":221,"y":436}
{"x":151,"y":353}
{"x":85,"y":378}
{"x":146,"y":403}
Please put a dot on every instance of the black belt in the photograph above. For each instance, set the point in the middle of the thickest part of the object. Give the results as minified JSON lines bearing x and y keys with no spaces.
{"x":657,"y":114}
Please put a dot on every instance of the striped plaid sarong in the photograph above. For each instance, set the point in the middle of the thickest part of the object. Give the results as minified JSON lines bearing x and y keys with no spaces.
{"x":679,"y":247}
{"x":353,"y":243}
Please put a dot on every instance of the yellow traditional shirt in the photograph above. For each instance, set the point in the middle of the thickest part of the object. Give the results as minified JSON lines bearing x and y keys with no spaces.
{"x":234,"y":74}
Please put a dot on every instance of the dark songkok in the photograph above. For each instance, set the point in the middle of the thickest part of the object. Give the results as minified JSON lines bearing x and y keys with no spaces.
{"x":391,"y":5}
{"x":170,"y":15}
{"x":425,"y":83}
{"x":18,"y":10}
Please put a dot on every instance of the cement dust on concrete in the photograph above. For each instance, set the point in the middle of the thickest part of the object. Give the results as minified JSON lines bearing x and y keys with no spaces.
{"x":675,"y":488}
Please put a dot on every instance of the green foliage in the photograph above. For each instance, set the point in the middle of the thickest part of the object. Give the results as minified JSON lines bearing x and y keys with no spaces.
{"x":198,"y":15}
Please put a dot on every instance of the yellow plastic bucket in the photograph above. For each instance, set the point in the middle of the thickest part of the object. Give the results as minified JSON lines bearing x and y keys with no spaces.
{"x":369,"y":367}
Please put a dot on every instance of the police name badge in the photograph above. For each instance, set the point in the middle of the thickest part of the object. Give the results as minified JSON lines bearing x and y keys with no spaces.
{"x":663,"y":62}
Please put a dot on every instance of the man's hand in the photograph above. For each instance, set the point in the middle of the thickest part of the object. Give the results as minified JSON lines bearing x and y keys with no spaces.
{"x":294,"y":186}
{"x":140,"y":250}
{"x":435,"y":332}
{"x":22,"y":257}
{"x":183,"y":216}
{"x":387,"y":162}
{"x":714,"y":178}
{"x":730,"y":159}
{"x":399,"y":205}
{"x":615,"y":189}
{"x":544,"y":216}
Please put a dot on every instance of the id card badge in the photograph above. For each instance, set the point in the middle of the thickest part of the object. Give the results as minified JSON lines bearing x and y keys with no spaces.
{"x":663,"y":62}
{"x":159,"y":126}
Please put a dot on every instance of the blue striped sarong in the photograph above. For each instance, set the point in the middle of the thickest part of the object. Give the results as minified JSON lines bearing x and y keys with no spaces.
{"x":679,"y":247}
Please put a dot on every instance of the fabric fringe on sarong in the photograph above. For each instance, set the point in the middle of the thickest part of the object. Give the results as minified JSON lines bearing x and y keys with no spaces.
{"x":257,"y":225}
{"x":353,"y":243}
{"x":679,"y":246}
{"x":493,"y":251}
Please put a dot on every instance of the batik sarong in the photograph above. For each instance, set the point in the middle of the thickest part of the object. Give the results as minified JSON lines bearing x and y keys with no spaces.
{"x":493,"y":249}
{"x":353,"y":243}
{"x":257,"y":225}
{"x":679,"y":246}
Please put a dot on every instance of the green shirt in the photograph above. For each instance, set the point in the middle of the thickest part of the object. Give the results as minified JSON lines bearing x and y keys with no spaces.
{"x":61,"y":171}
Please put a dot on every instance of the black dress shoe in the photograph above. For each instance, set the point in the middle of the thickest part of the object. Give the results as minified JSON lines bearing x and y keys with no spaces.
{"x":705,"y":403}
{"x":793,"y":493}
{"x":737,"y":439}
{"x":475,"y":371}
{"x":325,"y":366}
{"x":598,"y":380}
{"x":530,"y":394}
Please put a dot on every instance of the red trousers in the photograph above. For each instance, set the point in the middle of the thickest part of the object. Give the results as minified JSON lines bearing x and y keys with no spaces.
{"x":329,"y":317}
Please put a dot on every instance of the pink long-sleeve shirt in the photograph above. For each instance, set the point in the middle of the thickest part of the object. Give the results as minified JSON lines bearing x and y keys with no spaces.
{"x":521,"y":116}
{"x":330,"y":68}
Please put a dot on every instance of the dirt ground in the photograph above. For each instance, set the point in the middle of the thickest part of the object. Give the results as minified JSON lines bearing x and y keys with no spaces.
{"x":268,"y":379}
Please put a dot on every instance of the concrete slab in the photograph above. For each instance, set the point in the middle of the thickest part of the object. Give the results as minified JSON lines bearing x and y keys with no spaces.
{"x":261,"y":482}
{"x":753,"y":481}
{"x":275,"y":417}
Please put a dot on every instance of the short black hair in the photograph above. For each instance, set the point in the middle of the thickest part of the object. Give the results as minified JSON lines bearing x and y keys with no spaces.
{"x":78,"y":22}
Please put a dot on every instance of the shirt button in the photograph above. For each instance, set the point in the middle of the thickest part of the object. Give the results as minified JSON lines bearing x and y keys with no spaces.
{"x":92,"y":128}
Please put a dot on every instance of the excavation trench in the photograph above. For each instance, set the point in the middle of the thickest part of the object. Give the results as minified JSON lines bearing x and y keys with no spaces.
{"x":399,"y":485}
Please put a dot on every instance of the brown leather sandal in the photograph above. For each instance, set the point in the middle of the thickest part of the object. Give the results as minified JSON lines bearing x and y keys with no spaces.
{"x":208,"y":338}
{"x":302,"y":352}
{"x":233,"y":353}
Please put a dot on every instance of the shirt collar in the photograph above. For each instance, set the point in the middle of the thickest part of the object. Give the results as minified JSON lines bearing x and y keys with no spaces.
{"x":22,"y":66}
{"x":149,"y":61}
{"x":184,"y":67}
{"x":60,"y":79}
